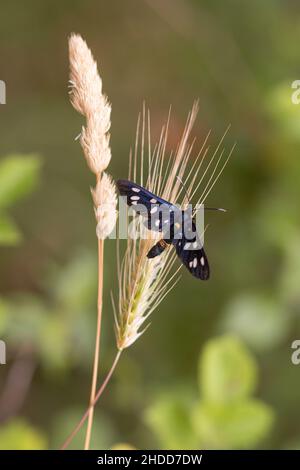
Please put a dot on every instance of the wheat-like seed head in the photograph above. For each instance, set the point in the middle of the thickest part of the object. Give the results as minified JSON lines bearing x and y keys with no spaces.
{"x":87,"y":98}
{"x":143,"y":282}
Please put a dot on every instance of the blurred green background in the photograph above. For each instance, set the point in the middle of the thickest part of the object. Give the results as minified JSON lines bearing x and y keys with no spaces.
{"x":214,"y":369}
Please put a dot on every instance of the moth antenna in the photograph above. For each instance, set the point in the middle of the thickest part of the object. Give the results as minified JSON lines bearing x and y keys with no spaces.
{"x":215,"y":209}
{"x":220,"y":209}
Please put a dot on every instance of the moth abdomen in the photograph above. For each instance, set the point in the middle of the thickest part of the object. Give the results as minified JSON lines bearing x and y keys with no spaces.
{"x":157,"y":249}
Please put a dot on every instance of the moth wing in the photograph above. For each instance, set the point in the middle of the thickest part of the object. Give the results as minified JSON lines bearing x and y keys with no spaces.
{"x":191,"y":253}
{"x":158,"y":212}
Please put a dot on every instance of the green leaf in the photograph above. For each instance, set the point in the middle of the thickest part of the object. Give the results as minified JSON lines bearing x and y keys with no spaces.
{"x":9,"y":233}
{"x":260,"y":320}
{"x":18,"y":177}
{"x":170,"y":420}
{"x":19,"y":435}
{"x":239,"y":425}
{"x":227,"y":371}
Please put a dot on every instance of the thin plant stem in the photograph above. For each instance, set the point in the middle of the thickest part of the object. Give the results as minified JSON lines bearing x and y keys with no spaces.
{"x":97,"y":343}
{"x":93,"y":403}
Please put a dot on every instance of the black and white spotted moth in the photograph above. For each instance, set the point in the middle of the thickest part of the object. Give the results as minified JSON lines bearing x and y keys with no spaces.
{"x":177,"y":226}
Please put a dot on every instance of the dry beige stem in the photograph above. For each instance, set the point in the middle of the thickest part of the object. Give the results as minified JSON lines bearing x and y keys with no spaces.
{"x":87,"y":98}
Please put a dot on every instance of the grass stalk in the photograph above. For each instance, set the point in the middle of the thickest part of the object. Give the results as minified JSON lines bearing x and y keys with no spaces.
{"x":97,"y":343}
{"x":93,"y":403}
{"x":87,"y":98}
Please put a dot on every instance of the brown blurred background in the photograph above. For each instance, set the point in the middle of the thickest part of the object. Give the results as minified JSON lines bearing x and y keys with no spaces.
{"x":239,"y":59}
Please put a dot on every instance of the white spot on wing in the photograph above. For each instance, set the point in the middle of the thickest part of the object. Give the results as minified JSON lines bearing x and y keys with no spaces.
{"x":153,"y":201}
{"x":135,"y":198}
{"x":153,"y":210}
{"x":191,"y":264}
{"x":195,"y":262}
{"x":202,"y":261}
{"x":136,"y":190}
{"x":157,"y":223}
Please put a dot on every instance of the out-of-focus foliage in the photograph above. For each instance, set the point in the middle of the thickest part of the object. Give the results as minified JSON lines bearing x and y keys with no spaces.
{"x":19,"y":435}
{"x":259,"y":319}
{"x":122,"y":446}
{"x":225,"y":415}
{"x":103,"y":435}
{"x":240,"y":59}
{"x":239,"y":425}
{"x":19,"y":175}
{"x":280,"y":108}
{"x":170,"y":418}
{"x":9,"y":233}
{"x":54,"y":325}
{"x":227,"y":371}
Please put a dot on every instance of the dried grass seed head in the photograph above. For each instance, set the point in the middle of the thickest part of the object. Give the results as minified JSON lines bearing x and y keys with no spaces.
{"x":105,"y":204}
{"x":87,"y":98}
